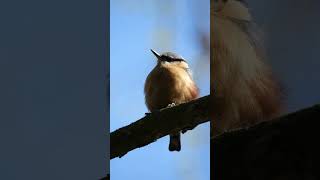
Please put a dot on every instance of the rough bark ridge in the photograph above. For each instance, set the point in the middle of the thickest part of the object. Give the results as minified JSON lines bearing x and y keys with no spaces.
{"x":282,"y":149}
{"x":159,"y":124}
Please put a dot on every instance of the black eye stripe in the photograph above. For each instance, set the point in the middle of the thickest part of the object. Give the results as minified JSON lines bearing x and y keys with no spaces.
{"x":169,"y":59}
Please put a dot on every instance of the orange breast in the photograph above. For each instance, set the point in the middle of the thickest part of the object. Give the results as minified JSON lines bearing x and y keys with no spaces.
{"x":168,"y":85}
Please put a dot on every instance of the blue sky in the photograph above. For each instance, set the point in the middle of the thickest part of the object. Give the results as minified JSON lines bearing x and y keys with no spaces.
{"x":163,"y":26}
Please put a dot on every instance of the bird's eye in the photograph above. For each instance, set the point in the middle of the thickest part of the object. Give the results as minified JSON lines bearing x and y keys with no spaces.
{"x":169,"y":59}
{"x":174,"y":60}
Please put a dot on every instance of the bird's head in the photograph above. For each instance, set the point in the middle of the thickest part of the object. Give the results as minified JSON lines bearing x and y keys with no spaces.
{"x":171,"y":59}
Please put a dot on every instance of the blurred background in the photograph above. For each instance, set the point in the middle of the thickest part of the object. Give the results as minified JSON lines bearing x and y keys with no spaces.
{"x":53,"y":94}
{"x":292,"y":40}
{"x":53,"y":67}
{"x":179,"y":26}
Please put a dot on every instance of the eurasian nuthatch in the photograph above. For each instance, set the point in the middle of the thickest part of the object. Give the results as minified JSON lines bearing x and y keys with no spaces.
{"x":170,"y":82}
{"x":239,"y":76}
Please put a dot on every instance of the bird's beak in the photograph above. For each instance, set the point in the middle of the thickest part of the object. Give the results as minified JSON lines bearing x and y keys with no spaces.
{"x":156,"y":54}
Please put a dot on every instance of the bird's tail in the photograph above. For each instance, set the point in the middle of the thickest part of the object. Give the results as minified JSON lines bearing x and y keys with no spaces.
{"x":175,"y":144}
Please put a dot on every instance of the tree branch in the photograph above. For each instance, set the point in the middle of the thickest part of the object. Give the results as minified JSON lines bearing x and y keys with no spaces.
{"x":285,"y":148}
{"x":159,"y":124}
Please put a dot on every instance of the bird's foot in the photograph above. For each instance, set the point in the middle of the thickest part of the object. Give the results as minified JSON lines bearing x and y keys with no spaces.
{"x":171,"y":105}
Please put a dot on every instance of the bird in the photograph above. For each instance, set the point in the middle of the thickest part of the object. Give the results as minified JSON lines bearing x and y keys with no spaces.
{"x":242,"y":81}
{"x":169,"y":83}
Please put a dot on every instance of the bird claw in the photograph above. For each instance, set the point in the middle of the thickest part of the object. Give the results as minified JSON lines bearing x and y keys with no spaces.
{"x":171,"y":105}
